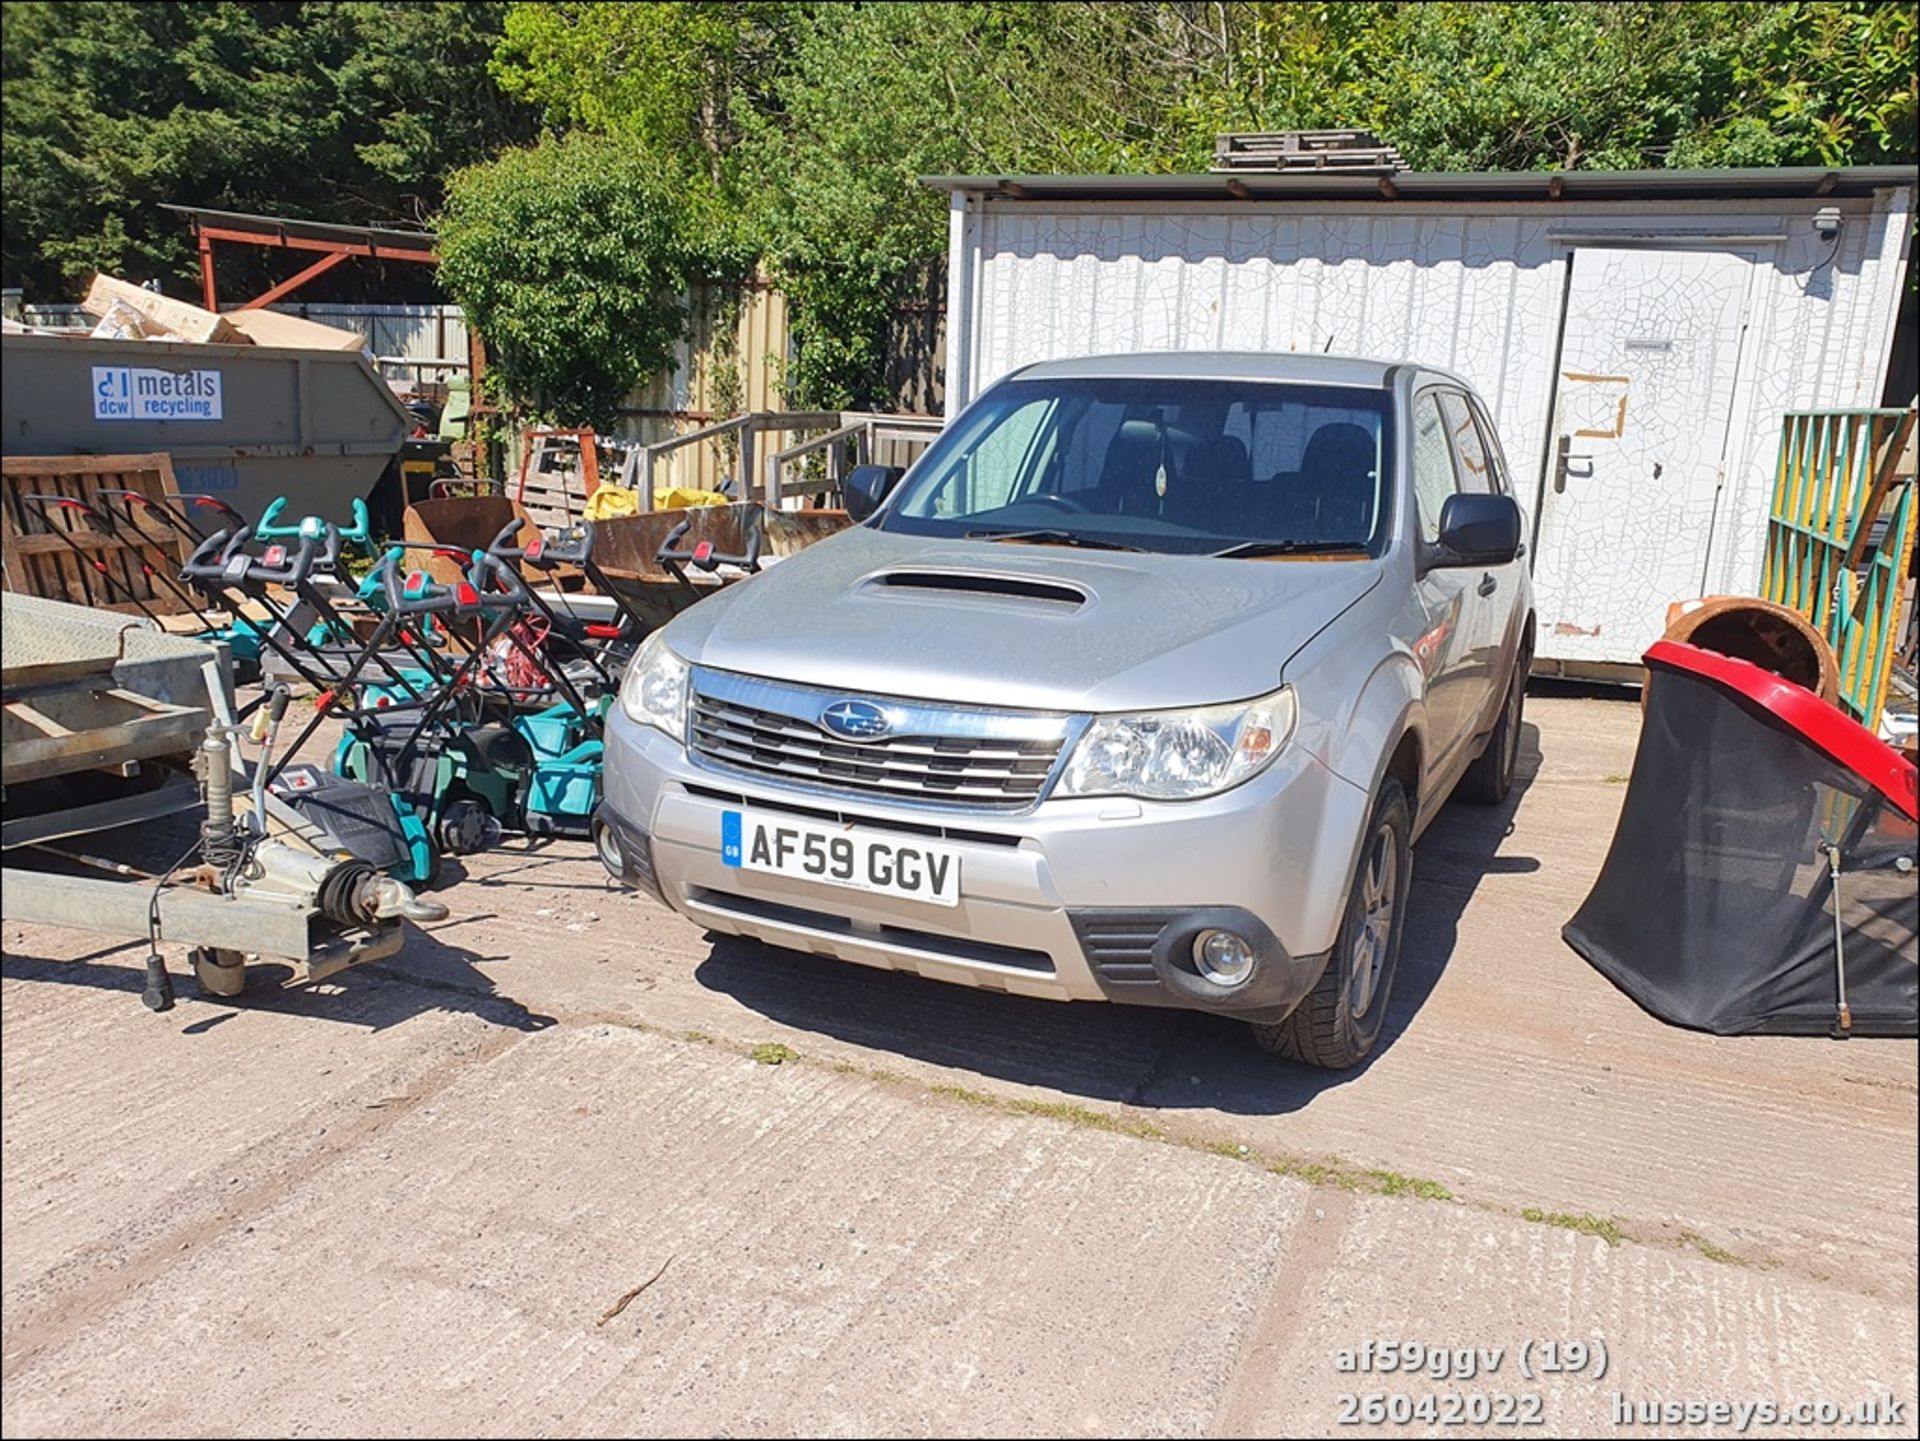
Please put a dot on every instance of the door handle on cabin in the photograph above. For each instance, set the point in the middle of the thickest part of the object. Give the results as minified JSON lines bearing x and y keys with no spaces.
{"x":1488,"y":585}
{"x":1563,"y":459}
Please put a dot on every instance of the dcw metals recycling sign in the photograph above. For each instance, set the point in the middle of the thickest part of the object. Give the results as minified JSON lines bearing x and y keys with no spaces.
{"x":130,"y":392}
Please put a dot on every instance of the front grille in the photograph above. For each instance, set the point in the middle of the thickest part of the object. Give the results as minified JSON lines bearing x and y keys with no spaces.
{"x":954,"y":755}
{"x":859,"y":818}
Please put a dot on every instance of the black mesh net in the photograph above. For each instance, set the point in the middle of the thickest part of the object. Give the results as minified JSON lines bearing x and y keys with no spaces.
{"x":1715,"y":908}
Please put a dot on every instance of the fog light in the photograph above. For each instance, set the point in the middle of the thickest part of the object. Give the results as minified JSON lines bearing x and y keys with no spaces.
{"x":1222,"y":957}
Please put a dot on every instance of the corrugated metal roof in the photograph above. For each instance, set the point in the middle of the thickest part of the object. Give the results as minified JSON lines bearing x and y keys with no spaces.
{"x":1796,"y":182}
{"x":421,"y":240}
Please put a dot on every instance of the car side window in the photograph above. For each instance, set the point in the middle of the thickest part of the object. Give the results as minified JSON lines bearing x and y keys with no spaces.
{"x":1476,"y":465}
{"x":989,"y":475}
{"x":1502,"y":476}
{"x":1433,"y":479}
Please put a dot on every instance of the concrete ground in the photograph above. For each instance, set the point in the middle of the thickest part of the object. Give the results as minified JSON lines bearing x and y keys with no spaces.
{"x":412,"y":1202}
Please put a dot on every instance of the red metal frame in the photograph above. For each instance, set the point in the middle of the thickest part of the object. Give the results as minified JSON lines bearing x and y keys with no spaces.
{"x":1825,"y":726}
{"x":331,"y":252}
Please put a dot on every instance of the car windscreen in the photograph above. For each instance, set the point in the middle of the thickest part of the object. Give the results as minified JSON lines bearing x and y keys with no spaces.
{"x":1172,"y":465}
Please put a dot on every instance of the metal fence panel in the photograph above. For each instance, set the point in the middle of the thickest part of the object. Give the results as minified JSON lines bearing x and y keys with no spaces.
{"x":1840,"y":538}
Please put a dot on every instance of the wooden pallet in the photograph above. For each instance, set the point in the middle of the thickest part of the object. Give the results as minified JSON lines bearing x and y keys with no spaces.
{"x":38,"y":562}
{"x":559,"y":469}
{"x":1282,"y":150}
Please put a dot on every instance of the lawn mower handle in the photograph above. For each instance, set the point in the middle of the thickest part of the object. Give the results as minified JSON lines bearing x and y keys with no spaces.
{"x":268,"y":528}
{"x":703,"y":556}
{"x":210,"y":558}
{"x":146,"y":502}
{"x":420,"y":594}
{"x":99,"y":522}
{"x":207,"y":502}
{"x":572,"y":546}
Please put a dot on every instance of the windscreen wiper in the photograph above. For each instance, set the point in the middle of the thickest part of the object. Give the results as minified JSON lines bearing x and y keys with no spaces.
{"x":1251,"y":549}
{"x":1053,"y":537}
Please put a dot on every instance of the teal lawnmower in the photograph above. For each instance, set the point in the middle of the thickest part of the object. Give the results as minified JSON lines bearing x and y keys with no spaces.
{"x":369,"y":821}
{"x":483,"y":749}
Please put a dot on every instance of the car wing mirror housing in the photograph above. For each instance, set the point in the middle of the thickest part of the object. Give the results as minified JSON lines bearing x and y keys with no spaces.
{"x":1477,"y":530}
{"x":866,"y":486}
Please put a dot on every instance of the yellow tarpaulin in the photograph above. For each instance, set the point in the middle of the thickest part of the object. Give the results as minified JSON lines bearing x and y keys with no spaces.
{"x":610,"y":501}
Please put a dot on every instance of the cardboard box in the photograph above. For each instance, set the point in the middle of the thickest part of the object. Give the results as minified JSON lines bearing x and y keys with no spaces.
{"x":176,"y":318}
{"x":270,"y":327}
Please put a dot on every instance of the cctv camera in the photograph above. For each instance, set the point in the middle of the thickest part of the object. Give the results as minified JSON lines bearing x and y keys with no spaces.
{"x":1826,"y":223}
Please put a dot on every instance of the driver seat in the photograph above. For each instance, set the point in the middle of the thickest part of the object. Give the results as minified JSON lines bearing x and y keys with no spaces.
{"x":1338,"y":482}
{"x":1126,"y":477}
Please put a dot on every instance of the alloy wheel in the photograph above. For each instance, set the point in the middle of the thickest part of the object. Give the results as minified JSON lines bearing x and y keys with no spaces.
{"x":1379,"y":889}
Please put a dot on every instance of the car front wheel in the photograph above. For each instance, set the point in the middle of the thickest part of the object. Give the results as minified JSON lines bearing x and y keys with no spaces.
{"x":1338,"y":1023}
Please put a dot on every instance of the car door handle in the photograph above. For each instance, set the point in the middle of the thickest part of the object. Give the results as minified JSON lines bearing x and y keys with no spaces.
{"x":1488,"y":585}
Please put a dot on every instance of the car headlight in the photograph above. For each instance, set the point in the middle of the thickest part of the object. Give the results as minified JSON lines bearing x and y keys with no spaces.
{"x":1178,"y":755}
{"x":655,"y":689}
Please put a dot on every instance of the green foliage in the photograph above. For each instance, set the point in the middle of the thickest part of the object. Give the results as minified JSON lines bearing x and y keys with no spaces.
{"x":794,"y":132}
{"x":571,"y":257}
{"x":1464,"y":86}
{"x":851,"y":104}
{"x":875,"y":96}
{"x":340,"y":112}
{"x":669,"y":77}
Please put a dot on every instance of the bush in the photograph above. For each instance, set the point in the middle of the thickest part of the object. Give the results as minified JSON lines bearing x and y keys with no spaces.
{"x":571,"y":258}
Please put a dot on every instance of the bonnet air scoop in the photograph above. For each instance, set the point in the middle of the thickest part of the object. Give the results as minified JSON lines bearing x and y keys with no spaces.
{"x":985,"y":584}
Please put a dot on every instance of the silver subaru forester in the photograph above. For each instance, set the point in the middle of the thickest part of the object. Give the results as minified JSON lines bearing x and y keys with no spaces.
{"x":1138,"y":687}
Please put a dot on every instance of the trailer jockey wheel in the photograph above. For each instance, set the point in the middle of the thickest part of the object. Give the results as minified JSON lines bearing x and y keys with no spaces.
{"x":219,"y":972}
{"x":158,"y":995}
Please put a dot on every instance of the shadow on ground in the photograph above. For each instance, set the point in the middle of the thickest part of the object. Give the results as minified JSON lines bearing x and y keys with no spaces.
{"x":440,"y":976}
{"x":1122,"y":1053}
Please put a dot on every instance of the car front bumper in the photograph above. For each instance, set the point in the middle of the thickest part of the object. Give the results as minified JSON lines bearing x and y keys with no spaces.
{"x":1084,"y":899}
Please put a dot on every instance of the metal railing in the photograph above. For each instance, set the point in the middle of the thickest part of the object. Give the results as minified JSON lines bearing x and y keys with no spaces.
{"x":851,"y":438}
{"x":1839,"y":538}
{"x":857,"y":442}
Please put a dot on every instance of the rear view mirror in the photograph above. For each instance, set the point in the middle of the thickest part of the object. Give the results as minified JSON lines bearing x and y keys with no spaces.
{"x":1478,"y":530}
{"x":866,"y":486}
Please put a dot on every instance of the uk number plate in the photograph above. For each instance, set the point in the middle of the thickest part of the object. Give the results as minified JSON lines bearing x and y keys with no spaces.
{"x":860,"y":860}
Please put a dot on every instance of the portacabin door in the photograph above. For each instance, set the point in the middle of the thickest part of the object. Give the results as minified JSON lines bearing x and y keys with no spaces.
{"x":1649,"y":375}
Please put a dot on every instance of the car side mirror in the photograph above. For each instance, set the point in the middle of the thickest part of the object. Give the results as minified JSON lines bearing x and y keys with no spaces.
{"x":866,"y":486}
{"x":1477,"y":530}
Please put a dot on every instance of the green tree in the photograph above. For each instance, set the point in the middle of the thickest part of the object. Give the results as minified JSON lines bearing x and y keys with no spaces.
{"x":572,"y":258}
{"x":342,"y":112}
{"x":1464,"y":86}
{"x":876,"y":96}
{"x":668,"y":76}
{"x":801,"y":130}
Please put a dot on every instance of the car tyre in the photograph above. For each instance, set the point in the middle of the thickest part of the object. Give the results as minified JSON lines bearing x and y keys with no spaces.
{"x":1338,"y":1023}
{"x":1490,"y":778}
